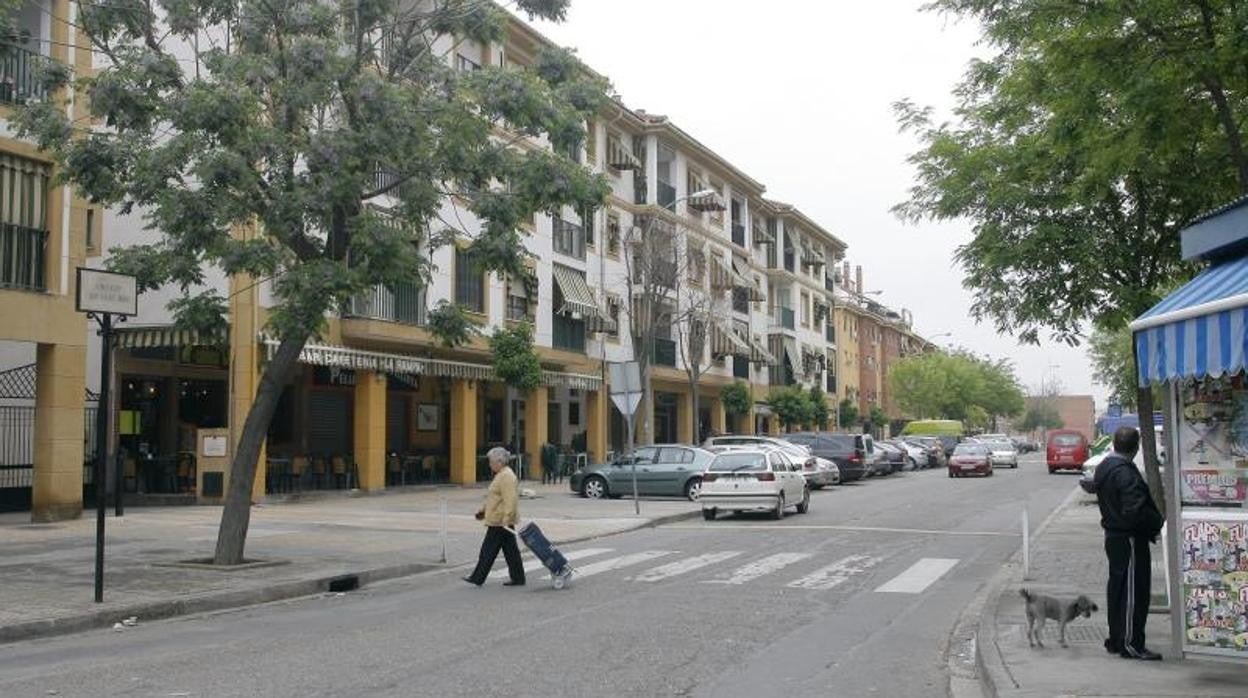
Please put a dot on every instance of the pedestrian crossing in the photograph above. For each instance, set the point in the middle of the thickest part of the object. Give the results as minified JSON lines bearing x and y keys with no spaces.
{"x":792,"y":570}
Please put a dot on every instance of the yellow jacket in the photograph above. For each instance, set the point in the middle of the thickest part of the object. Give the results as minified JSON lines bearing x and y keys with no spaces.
{"x":500,"y":499}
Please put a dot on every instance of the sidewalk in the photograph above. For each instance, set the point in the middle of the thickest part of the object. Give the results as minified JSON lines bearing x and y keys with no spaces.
{"x":47,"y":570}
{"x":1068,"y":559}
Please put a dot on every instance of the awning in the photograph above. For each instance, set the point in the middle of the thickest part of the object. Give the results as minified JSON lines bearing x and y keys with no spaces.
{"x":762,"y":409}
{"x":1199,"y":330}
{"x":721,"y":279}
{"x":577,"y":296}
{"x":790,"y":351}
{"x":620,"y":157}
{"x":741,"y":278}
{"x":762,"y":236}
{"x":315,"y":354}
{"x":759,"y":353}
{"x":709,"y":202}
{"x":169,"y":336}
{"x":726,"y":342}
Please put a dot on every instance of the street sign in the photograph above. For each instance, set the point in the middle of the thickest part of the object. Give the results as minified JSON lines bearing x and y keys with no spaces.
{"x":102,"y":291}
{"x":625,"y":386}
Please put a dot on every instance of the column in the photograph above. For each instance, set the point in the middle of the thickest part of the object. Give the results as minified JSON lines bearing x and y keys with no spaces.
{"x":773,"y":425}
{"x":370,"y":430}
{"x":745,"y":423}
{"x":719,"y":419}
{"x":56,"y":492}
{"x":597,"y":414}
{"x":536,"y":415}
{"x":463,"y":431}
{"x":245,"y":355}
{"x":684,"y":417}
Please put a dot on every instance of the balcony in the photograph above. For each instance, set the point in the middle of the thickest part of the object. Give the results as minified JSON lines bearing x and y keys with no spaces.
{"x":23,"y":258}
{"x":666,"y":194}
{"x":831,"y":384}
{"x":738,"y":234}
{"x":790,"y":260}
{"x":664,"y":273}
{"x":664,"y":352}
{"x":17,"y":75}
{"x":569,"y":238}
{"x":829,"y":332}
{"x":741,"y":367}
{"x":741,"y":300}
{"x":404,"y":304}
{"x":829,"y":283}
{"x":785,"y":317}
{"x":569,"y":334}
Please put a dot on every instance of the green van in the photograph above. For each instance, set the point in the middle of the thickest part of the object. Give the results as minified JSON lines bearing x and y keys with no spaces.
{"x":949,"y":431}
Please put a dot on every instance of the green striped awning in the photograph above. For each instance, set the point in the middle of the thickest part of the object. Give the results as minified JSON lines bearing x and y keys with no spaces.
{"x":169,"y":336}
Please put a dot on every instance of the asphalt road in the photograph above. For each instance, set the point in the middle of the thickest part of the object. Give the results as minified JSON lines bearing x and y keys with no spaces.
{"x":855,"y":598}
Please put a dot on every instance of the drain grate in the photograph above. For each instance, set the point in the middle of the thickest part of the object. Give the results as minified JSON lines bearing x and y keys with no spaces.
{"x":1076,"y":634}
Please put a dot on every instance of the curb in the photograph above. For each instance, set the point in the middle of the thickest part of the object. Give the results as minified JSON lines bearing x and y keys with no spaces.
{"x":975,"y":629}
{"x":240,"y":598}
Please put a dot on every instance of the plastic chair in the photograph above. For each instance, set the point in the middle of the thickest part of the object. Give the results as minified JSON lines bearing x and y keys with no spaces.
{"x":320,"y":472}
{"x":394,"y":470}
{"x":298,"y":472}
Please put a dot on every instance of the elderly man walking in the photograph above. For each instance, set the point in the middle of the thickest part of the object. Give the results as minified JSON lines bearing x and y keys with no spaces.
{"x":499,"y":516}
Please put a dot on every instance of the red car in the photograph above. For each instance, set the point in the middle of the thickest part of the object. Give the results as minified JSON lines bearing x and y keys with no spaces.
{"x":970,"y":459}
{"x":1066,"y":450}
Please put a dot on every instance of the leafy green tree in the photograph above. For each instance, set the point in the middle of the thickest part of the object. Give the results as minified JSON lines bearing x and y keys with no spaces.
{"x":977,"y":418}
{"x":1041,"y":415}
{"x":250,"y":136}
{"x":515,"y":361}
{"x":919,"y":384}
{"x":848,"y":413}
{"x":819,"y":412}
{"x":877,"y":417}
{"x":451,"y":324}
{"x":1113,"y":366}
{"x":737,"y":401}
{"x":1096,"y":130}
{"x":791,"y":405}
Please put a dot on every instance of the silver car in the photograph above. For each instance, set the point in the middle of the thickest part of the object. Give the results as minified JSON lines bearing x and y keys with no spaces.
{"x":819,"y":472}
{"x":1004,"y":454}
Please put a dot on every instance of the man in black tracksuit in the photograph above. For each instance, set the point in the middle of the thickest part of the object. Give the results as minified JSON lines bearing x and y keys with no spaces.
{"x":1131,"y":521}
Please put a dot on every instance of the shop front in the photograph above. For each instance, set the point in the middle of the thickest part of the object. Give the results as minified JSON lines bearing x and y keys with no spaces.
{"x":1194,"y":344}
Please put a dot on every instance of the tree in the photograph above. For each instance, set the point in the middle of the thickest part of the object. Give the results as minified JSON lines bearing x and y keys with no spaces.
{"x":941,"y":385}
{"x":1113,"y":366}
{"x":698,"y":310}
{"x":737,"y":401}
{"x":517,"y":364}
{"x":819,"y":412}
{"x":848,"y":413}
{"x":791,"y":405}
{"x":876,"y":418}
{"x":1041,"y":415}
{"x":312,"y":146}
{"x":919,"y":384}
{"x":1097,"y":129}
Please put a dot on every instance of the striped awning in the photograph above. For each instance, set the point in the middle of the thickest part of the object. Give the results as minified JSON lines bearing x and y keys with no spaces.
{"x":708,"y":202}
{"x":721,"y":278}
{"x":810,"y":256}
{"x":759,"y":353}
{"x":25,"y":186}
{"x":761,"y":235}
{"x":741,"y":278}
{"x":619,"y":157}
{"x":315,"y":354}
{"x":169,"y":336}
{"x":726,"y":342}
{"x":577,"y":296}
{"x":1199,"y":330}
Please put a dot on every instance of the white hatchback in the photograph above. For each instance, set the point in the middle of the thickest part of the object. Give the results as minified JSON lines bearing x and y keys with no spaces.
{"x":748,"y":479}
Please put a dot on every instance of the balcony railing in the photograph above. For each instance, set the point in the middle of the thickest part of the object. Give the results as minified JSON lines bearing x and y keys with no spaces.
{"x":404,"y":304}
{"x":664,"y":352}
{"x":738,"y":234}
{"x":666,"y":194}
{"x":569,"y":238}
{"x":569,"y":334}
{"x":23,"y":257}
{"x":786,"y":318}
{"x":17,"y":75}
{"x":741,"y":367}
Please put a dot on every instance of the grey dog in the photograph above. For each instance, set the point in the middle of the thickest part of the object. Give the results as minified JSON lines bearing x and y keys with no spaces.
{"x":1041,"y":608}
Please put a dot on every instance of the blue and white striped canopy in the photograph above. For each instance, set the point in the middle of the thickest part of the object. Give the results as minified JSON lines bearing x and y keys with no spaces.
{"x":1199,"y":330}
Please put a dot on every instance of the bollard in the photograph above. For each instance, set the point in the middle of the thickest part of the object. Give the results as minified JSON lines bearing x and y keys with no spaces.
{"x":442,"y":515}
{"x":1026,"y":546}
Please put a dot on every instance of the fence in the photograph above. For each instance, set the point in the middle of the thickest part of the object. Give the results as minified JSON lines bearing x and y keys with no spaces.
{"x":17,"y":456}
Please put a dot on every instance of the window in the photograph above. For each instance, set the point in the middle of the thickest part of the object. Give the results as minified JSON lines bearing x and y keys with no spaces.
{"x":469,"y":283}
{"x":675,"y":455}
{"x":613,"y":312}
{"x":805,"y":309}
{"x":90,"y":229}
{"x":518,"y":305}
{"x":569,"y":238}
{"x":574,"y":414}
{"x":666,"y":189}
{"x":465,"y":64}
{"x":587,"y":222}
{"x":613,"y":234}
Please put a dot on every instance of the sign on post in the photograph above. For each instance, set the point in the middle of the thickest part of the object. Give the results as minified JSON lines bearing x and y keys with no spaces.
{"x":626,"y":392}
{"x":102,"y":291}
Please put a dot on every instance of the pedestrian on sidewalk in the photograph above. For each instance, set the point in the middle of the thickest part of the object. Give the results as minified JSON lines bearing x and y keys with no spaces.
{"x":499,"y":514}
{"x":1131,"y":521}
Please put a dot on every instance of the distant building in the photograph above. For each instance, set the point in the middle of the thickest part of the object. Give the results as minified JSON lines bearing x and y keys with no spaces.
{"x":1077,"y":412}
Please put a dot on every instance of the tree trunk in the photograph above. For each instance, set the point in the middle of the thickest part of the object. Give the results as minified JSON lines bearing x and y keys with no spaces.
{"x":232,"y":535}
{"x":697,"y":408}
{"x":1148,"y":435}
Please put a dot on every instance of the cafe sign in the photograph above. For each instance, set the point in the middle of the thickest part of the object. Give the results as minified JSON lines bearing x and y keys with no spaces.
{"x":102,"y":291}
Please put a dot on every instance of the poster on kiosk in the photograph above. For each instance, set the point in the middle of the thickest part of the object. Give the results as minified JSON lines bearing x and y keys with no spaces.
{"x":1193,"y":346}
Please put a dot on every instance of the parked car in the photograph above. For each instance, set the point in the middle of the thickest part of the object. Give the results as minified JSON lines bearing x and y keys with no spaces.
{"x":1087,"y":481}
{"x":1066,"y":449}
{"x":970,"y":458}
{"x":893,"y":461}
{"x":666,"y":470}
{"x":916,"y":456}
{"x":936,"y":457}
{"x":753,"y":478}
{"x":853,"y":454}
{"x":949,"y":431}
{"x":817,"y":476}
{"x":1003,"y":452}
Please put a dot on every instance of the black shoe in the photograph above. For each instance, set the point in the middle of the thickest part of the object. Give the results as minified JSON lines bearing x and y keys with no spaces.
{"x":1113,"y":647}
{"x":1145,"y":654}
{"x":471,"y":581}
{"x":511,"y":583}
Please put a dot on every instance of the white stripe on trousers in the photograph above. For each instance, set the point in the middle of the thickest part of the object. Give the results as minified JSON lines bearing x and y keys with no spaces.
{"x":1126,"y":640}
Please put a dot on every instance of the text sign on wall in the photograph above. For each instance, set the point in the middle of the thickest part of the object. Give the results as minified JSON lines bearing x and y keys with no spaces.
{"x":102,"y":291}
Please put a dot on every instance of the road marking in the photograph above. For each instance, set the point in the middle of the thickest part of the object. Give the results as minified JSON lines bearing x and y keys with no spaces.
{"x":679,"y":567}
{"x":836,"y":573}
{"x":833,"y":527}
{"x":760,"y":568}
{"x":616,"y":563}
{"x":534,"y":564}
{"x":919,"y":576}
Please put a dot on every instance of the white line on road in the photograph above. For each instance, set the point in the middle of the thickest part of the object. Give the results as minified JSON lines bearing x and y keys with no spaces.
{"x":533,"y":565}
{"x":616,"y":563}
{"x":679,"y":567}
{"x":833,"y":527}
{"x":919,"y":576}
{"x":760,"y":568}
{"x":836,"y":573}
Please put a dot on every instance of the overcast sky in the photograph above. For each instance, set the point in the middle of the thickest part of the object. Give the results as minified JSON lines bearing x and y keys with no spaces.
{"x":798,"y":94}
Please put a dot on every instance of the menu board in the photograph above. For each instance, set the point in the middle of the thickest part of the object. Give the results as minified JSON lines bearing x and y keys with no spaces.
{"x":1213,"y":443}
{"x":1215,"y":584}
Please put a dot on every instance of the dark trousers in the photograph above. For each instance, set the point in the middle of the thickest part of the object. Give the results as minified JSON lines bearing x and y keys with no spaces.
{"x":1128,"y":591}
{"x":496,"y":538}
